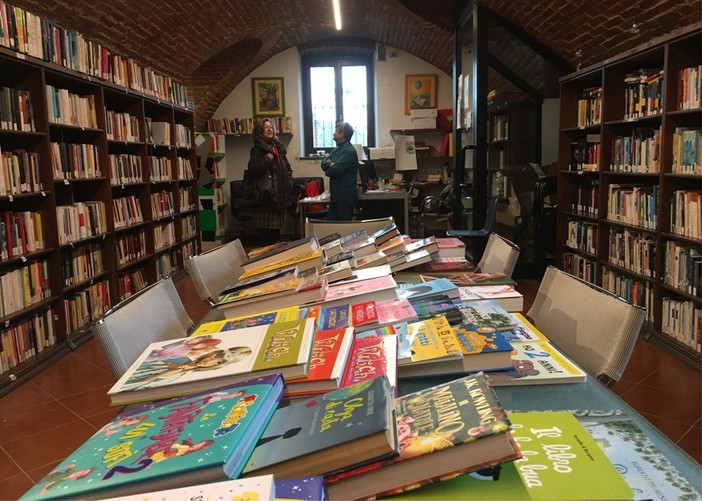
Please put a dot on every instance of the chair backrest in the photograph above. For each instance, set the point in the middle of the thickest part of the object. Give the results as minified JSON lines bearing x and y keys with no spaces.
{"x":214,"y":270}
{"x":594,"y":327}
{"x":500,"y":256}
{"x":323,"y":227}
{"x":152,"y":314}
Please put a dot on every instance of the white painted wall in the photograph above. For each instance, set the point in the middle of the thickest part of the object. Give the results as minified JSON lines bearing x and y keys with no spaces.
{"x":389,"y":104}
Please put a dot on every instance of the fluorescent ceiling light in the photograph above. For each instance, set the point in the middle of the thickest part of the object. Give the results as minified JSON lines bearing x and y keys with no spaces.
{"x":337,"y":14}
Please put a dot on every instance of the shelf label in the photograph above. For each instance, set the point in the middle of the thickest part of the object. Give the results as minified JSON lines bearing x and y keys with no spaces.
{"x":10,"y":198}
{"x":65,"y":181}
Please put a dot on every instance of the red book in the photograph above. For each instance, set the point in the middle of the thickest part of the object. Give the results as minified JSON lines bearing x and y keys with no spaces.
{"x":371,"y":356}
{"x":364,"y":313}
{"x":328,"y":358}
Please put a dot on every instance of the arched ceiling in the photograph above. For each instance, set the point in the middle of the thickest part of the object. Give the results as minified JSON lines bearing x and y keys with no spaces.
{"x":212,"y":45}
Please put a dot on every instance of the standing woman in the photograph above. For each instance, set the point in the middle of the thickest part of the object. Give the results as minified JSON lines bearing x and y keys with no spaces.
{"x":268,"y":156}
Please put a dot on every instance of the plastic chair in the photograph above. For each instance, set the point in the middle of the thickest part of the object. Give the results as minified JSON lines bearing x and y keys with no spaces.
{"x":500,"y":256}
{"x":214,"y":270}
{"x":155,"y":313}
{"x":593,"y":326}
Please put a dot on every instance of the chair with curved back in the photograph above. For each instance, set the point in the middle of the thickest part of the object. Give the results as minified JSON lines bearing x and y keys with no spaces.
{"x":212,"y":271}
{"x":593,"y":326}
{"x":155,"y":313}
{"x":481,"y":234}
{"x":500,"y":256}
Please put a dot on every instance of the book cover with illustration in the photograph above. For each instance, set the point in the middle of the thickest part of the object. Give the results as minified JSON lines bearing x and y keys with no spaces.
{"x":436,"y":287}
{"x":230,"y":324}
{"x":328,"y":433}
{"x":475,"y":278}
{"x":303,"y":488}
{"x":484,"y":348}
{"x":328,"y":359}
{"x":538,"y":363}
{"x":504,"y":295}
{"x":364,"y":314}
{"x":524,"y":331}
{"x":375,"y":289}
{"x":304,"y":261}
{"x":389,"y":312}
{"x":181,"y":366}
{"x":278,"y":253}
{"x":333,"y":317}
{"x":430,"y":307}
{"x":372,"y":355}
{"x":261,"y":488}
{"x":199,"y":438}
{"x":275,"y":276}
{"x":486,"y":312}
{"x":444,"y":431}
{"x":560,"y":462}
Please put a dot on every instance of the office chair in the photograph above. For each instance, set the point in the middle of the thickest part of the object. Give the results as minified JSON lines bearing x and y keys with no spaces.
{"x":593,"y":326}
{"x":155,"y":313}
{"x":481,"y":234}
{"x":239,"y":210}
{"x":214,"y":270}
{"x":500,"y":256}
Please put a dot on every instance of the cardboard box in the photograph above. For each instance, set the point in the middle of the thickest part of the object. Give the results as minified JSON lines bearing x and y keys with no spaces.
{"x":426,"y":113}
{"x":424,"y":123}
{"x":384,"y":152}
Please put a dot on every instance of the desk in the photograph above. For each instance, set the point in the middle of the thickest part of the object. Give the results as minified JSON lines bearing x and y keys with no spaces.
{"x":382,"y":203}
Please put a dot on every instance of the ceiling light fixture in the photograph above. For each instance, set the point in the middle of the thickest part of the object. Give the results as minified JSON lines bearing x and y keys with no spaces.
{"x":337,"y":14}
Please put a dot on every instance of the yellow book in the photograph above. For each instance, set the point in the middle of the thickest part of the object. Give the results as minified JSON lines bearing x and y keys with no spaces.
{"x":303,"y":262}
{"x":431,"y":339}
{"x":268,"y":317}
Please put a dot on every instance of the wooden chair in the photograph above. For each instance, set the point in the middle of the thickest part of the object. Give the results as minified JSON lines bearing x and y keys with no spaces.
{"x":323,"y":227}
{"x":594,"y":327}
{"x":500,"y":256}
{"x":155,"y":313}
{"x":212,"y":271}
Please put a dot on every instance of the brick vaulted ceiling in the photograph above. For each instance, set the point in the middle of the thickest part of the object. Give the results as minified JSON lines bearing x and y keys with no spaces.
{"x":212,"y":45}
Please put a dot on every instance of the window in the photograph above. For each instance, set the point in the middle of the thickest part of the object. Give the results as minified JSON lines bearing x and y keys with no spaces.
{"x":337,"y":89}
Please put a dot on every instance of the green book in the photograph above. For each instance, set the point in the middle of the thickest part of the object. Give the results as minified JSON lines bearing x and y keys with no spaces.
{"x":560,"y":461}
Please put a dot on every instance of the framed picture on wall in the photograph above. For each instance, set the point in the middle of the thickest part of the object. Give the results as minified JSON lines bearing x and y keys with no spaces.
{"x":268,"y":95}
{"x":420,"y":92}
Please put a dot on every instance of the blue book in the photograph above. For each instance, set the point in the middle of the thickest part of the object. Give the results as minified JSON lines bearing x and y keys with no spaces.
{"x":436,"y":287}
{"x":311,"y":488}
{"x":206,"y":437}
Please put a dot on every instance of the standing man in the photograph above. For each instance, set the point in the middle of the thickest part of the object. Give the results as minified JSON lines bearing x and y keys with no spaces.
{"x":341,"y":167}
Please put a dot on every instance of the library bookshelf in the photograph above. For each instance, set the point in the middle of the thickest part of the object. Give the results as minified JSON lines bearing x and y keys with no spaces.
{"x":98,"y":198}
{"x":629,"y":183}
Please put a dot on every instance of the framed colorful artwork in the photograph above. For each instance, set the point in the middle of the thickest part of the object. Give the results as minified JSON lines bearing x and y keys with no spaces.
{"x":268,"y":96}
{"x":420,"y":92}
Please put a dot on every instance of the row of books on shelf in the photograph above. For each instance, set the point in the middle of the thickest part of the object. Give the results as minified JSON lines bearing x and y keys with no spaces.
{"x":80,"y":220}
{"x":21,"y":233}
{"x":75,"y":161}
{"x":244,"y":126}
{"x":643,"y":93}
{"x":86,"y":306}
{"x":67,"y":108}
{"x":19,"y":172}
{"x":81,"y":264}
{"x":27,"y":33}
{"x":633,"y":204}
{"x":16,"y":111}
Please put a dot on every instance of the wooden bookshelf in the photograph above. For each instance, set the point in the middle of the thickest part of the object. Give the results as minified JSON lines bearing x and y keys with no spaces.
{"x":54,"y":288}
{"x":615,"y":222}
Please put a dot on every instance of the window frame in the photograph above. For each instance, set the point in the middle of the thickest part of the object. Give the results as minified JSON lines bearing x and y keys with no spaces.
{"x":336,"y":60}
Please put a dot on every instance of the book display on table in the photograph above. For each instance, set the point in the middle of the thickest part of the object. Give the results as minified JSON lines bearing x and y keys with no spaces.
{"x":466,"y":279}
{"x":373,"y":354}
{"x":303,"y":488}
{"x":444,"y":431}
{"x":430,"y":307}
{"x":389,"y":312}
{"x":486,"y":313}
{"x":335,"y":272}
{"x":647,"y":125}
{"x":560,"y":461}
{"x":264,"y":318}
{"x":372,"y":289}
{"x":328,"y":433}
{"x":384,"y":234}
{"x":327,"y":363}
{"x":65,"y":178}
{"x":451,"y":247}
{"x":436,"y":287}
{"x":203,"y":437}
{"x":272,"y":277}
{"x":409,"y":260}
{"x":181,"y":366}
{"x":304,"y":261}
{"x":279,"y":253}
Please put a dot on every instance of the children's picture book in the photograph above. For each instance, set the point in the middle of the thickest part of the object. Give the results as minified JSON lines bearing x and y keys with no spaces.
{"x":230,"y":324}
{"x":538,"y":363}
{"x":484,"y":348}
{"x":524,"y":331}
{"x":328,"y":360}
{"x":253,"y":300}
{"x":272,"y":277}
{"x":303,"y":488}
{"x":505,"y":295}
{"x":261,"y":488}
{"x":431,"y":340}
{"x":372,"y":289}
{"x":334,"y":317}
{"x":445,"y":430}
{"x":328,"y":433}
{"x":203,"y":437}
{"x":560,"y":461}
{"x":439,"y":286}
{"x":437,"y":305}
{"x":389,"y":312}
{"x":181,"y":366}
{"x":304,"y":261}
{"x":281,"y":253}
{"x":486,"y":312}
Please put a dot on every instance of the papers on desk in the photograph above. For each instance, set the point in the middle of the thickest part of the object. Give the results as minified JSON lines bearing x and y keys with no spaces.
{"x":322,"y":197}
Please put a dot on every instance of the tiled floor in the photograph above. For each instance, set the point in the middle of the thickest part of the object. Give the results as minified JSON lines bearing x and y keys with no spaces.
{"x":48,"y":417}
